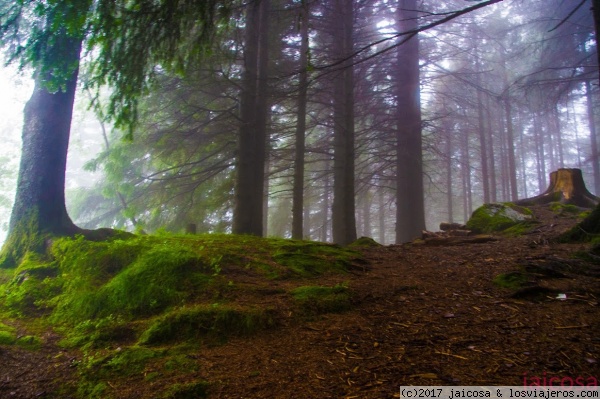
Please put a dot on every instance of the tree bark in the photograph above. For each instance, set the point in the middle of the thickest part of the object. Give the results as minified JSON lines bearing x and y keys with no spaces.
{"x":449,"y":190}
{"x":567,"y":187}
{"x":381,"y":214}
{"x":596,"y":13}
{"x":465,"y":168}
{"x":491,"y":152}
{"x":593,"y":136}
{"x":343,"y":208}
{"x":410,"y":209}
{"x":298,"y":190}
{"x":512,"y":165}
{"x":249,"y":185}
{"x":39,"y":210}
{"x":590,"y":226}
{"x":482,"y":133}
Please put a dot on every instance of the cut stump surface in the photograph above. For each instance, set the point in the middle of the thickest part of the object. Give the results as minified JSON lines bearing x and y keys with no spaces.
{"x":567,"y":187}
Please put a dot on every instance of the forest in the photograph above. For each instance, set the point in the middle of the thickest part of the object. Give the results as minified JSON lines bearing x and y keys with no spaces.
{"x":483,"y":103}
{"x":222,"y":198}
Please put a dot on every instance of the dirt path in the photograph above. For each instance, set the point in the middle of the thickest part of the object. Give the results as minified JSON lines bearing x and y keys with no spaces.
{"x":424,"y":315}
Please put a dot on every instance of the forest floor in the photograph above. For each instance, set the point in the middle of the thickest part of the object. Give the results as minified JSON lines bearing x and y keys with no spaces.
{"x":422,"y":314}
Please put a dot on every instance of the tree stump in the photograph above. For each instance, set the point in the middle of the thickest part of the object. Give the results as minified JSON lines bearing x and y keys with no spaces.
{"x":567,"y":187}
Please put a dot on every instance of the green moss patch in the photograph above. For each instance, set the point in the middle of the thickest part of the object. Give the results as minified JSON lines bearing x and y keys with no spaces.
{"x":511,"y":280}
{"x":120,"y":299}
{"x":309,"y":259}
{"x":194,"y":390}
{"x":364,"y":242}
{"x":494,"y":218}
{"x":564,"y":209}
{"x":7,"y":337}
{"x":313,"y":300}
{"x":206,"y":321}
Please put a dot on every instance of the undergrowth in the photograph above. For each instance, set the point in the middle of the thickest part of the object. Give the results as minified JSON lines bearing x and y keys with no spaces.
{"x":122,"y":299}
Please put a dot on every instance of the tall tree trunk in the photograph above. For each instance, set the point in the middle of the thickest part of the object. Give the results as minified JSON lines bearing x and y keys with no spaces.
{"x":512,"y":165}
{"x":298,"y":190}
{"x":449,"y":191}
{"x":249,"y":185}
{"x":325,"y":208}
{"x":555,"y":120}
{"x":343,"y":208}
{"x":465,"y":168}
{"x":539,"y":152}
{"x":491,"y":153}
{"x":482,"y":134}
{"x":593,"y":137}
{"x":381,"y":198}
{"x":523,"y":162}
{"x":596,"y":13}
{"x":366,"y":211}
{"x":410,"y":208}
{"x":39,"y":210}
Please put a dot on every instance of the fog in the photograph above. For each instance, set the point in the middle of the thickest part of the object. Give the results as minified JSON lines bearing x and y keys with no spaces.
{"x":507,"y":95}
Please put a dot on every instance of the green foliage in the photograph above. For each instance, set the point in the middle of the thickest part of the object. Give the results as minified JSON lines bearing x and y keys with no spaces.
{"x":206,"y":321}
{"x":494,"y":218}
{"x":318,"y":299}
{"x":44,"y":45}
{"x":133,"y":37}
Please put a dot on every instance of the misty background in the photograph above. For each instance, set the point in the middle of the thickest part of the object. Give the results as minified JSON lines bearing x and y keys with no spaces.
{"x":534,"y":55}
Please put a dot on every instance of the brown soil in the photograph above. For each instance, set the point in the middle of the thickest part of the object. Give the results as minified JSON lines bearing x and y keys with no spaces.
{"x":424,"y":314}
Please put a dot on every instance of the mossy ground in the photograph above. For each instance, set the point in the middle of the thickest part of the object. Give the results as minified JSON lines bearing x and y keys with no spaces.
{"x":314,"y":300}
{"x":124,"y":300}
{"x":506,"y":218}
{"x":511,"y":280}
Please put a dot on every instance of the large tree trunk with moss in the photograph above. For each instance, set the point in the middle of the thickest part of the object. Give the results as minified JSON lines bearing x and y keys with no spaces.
{"x":39,"y":210}
{"x":567,"y":187}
